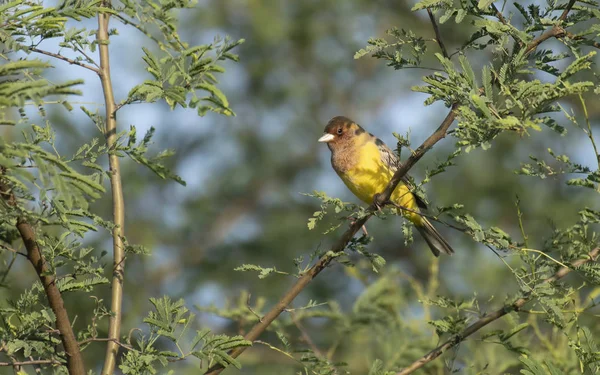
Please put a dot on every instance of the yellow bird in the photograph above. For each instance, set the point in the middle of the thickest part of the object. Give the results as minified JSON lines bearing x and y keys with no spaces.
{"x":366,"y":165}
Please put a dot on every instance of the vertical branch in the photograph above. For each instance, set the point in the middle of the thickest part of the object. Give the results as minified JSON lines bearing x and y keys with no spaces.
{"x":114,"y":327}
{"x":47,"y":278}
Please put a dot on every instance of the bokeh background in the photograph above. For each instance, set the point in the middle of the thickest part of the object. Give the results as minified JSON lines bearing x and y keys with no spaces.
{"x":245,"y":175}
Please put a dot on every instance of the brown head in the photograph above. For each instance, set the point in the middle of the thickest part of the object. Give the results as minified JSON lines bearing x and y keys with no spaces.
{"x":339,"y":131}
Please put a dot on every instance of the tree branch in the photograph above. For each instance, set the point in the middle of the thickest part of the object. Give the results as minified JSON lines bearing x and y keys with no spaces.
{"x":32,"y":362}
{"x":63,"y":58}
{"x":555,"y":32}
{"x":487,"y":319}
{"x":305,"y":336}
{"x":114,"y":326}
{"x":499,"y":14}
{"x":438,"y":36}
{"x":105,"y":339}
{"x":34,"y":254}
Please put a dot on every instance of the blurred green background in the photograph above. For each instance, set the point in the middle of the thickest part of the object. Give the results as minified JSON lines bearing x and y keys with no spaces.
{"x":245,"y":176}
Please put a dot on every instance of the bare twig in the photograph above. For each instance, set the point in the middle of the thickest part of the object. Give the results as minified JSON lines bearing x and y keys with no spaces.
{"x":251,"y":309}
{"x":8,"y":248}
{"x":499,"y":14}
{"x":487,"y":319}
{"x":32,"y":362}
{"x":105,"y":339}
{"x":438,"y":36}
{"x":589,"y":129}
{"x":34,"y":254}
{"x":305,"y":336}
{"x":64,"y":58}
{"x":114,"y":326}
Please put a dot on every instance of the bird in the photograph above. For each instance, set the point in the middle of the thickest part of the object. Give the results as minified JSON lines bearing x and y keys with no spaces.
{"x":366,"y":165}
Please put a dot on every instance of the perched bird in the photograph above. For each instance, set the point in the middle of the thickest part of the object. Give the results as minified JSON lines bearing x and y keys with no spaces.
{"x":366,"y":165}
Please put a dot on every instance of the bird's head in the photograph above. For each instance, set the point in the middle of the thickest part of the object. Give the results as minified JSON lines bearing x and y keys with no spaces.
{"x":340,"y":130}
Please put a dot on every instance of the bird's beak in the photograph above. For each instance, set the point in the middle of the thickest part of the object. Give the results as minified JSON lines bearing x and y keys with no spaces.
{"x":326,"y":138}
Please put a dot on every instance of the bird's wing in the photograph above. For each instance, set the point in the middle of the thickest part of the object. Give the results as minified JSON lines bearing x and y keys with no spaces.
{"x":391,"y":160}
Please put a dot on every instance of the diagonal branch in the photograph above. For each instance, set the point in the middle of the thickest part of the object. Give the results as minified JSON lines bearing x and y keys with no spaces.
{"x":64,"y":58}
{"x":47,"y":278}
{"x":487,"y":319}
{"x":438,"y":35}
{"x":499,"y":14}
{"x":114,"y":325}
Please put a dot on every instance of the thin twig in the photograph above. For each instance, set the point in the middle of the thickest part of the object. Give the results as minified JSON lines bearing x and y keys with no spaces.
{"x":487,"y":319}
{"x":251,"y":309}
{"x":581,"y":37}
{"x":114,"y":325}
{"x":12,"y":250}
{"x":32,"y":362}
{"x":105,"y":339}
{"x":64,"y":58}
{"x":438,"y":36}
{"x":425,"y":215}
{"x":89,"y":59}
{"x":499,"y":14}
{"x":589,"y":131}
{"x":305,"y":336}
{"x":565,"y":12}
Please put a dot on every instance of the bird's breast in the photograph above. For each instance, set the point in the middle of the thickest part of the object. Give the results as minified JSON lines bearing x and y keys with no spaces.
{"x":366,"y":174}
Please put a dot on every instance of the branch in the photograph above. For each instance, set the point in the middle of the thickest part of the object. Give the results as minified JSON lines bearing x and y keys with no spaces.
{"x":32,"y":362}
{"x":105,"y":339}
{"x":305,"y":336}
{"x":499,"y":14}
{"x":63,"y":58}
{"x":114,"y":325}
{"x":487,"y":319}
{"x":438,"y":36}
{"x":340,"y":245}
{"x":34,"y":254}
{"x":565,"y":12}
{"x":555,"y":32}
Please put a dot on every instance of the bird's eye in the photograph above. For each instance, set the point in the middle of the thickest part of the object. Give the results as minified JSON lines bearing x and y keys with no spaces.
{"x":339,"y":131}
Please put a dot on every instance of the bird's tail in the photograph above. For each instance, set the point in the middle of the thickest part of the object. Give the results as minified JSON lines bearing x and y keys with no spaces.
{"x":434,"y":239}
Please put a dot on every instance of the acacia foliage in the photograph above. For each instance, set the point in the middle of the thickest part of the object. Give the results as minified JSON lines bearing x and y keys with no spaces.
{"x":506,"y":95}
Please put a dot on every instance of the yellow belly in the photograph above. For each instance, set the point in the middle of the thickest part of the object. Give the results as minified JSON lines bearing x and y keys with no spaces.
{"x":370,"y":176}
